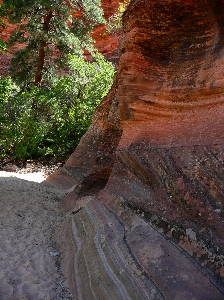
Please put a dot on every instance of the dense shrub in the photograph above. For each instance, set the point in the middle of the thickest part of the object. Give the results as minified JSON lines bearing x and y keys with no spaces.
{"x":50,"y":121}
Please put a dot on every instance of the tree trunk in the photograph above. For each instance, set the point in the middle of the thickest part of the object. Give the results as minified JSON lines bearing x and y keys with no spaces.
{"x":42,"y":49}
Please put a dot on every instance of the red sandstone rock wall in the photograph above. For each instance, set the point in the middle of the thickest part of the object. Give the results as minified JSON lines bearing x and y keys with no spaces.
{"x":147,"y":211}
{"x":107,"y":43}
{"x":175,"y":47}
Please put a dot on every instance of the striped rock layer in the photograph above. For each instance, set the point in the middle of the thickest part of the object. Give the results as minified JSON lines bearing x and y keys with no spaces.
{"x":145,"y":198}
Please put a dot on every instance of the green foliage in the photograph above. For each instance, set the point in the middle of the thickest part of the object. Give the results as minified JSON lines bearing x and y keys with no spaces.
{"x":63,"y":111}
{"x":47,"y":103}
{"x":3,"y":13}
{"x":2,"y":46}
{"x":115,"y":21}
{"x":51,"y":30}
{"x":5,"y":89}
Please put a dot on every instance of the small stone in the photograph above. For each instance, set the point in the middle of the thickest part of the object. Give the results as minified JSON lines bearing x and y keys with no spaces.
{"x":54,"y":253}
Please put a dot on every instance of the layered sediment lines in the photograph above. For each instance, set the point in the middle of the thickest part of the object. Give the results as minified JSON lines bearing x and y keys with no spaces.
{"x":117,"y":255}
{"x":180,"y":191}
{"x":171,"y":83}
{"x":145,"y":214}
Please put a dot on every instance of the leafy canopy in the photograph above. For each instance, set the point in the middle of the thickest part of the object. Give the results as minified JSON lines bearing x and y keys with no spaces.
{"x":50,"y":31}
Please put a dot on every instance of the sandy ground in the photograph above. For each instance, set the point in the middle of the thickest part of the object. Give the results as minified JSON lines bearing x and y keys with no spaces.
{"x":30,"y":257}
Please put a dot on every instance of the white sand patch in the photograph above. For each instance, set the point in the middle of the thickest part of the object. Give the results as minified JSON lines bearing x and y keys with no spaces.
{"x":34,"y":176}
{"x":30,"y":256}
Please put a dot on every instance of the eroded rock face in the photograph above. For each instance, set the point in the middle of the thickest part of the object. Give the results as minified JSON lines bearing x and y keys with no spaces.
{"x":171,"y":73}
{"x":154,"y":223}
{"x":108,"y":43}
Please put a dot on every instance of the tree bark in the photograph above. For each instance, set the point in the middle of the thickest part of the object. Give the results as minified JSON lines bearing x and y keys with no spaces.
{"x":42,"y":49}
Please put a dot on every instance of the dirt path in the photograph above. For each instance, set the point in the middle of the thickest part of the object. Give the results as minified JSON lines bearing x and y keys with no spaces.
{"x":30,"y":258}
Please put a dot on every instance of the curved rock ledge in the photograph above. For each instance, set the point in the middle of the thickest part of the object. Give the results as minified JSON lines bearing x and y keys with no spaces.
{"x":117,"y":255}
